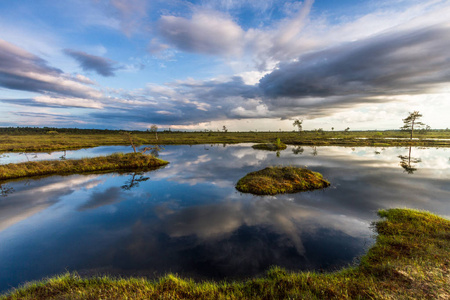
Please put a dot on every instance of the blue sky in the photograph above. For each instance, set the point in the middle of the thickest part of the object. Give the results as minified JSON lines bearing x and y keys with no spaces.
{"x":249,"y":65}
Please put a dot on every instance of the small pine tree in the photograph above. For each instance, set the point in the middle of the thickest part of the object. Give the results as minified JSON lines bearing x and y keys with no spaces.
{"x":411,"y":122}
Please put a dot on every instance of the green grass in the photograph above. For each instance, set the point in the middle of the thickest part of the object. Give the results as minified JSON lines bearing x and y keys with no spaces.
{"x":279,"y":180}
{"x":63,"y":141}
{"x":113,"y":162}
{"x":277,"y":145}
{"x":410,"y":260}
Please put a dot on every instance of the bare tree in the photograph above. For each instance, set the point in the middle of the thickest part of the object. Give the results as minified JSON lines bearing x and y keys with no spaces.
{"x":154,"y":129}
{"x":410,"y":121}
{"x":225,"y":128}
{"x":134,"y":140}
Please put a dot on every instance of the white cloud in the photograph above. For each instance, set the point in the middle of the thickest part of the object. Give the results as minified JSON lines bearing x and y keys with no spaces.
{"x":74,"y":102}
{"x":206,"y":32}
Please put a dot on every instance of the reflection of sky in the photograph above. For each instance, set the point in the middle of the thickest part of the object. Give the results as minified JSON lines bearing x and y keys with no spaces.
{"x":188,"y":218}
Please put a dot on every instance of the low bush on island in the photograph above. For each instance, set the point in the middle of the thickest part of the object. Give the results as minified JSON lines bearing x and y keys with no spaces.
{"x":278,"y":145}
{"x":279,"y":180}
{"x":113,"y":162}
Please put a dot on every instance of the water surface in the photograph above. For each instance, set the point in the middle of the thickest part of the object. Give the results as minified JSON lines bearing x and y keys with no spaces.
{"x":187,"y":217}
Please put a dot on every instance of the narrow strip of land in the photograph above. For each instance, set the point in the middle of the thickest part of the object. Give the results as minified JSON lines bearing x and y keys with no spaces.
{"x":113,"y":162}
{"x":41,"y":141}
{"x":410,"y":260}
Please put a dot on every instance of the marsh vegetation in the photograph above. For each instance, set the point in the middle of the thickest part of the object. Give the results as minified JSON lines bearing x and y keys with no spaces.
{"x":113,"y":162}
{"x":40,"y":140}
{"x":280,"y":180}
{"x":276,"y":146}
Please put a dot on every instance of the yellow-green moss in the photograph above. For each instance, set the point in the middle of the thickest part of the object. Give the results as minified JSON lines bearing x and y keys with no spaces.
{"x":279,"y":180}
{"x":113,"y":162}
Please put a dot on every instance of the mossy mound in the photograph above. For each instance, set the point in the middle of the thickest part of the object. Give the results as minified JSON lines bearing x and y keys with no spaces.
{"x":270,"y":146}
{"x":279,"y":180}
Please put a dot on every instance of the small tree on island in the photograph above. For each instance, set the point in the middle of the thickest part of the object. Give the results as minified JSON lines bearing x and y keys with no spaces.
{"x":411,"y":122}
{"x":136,"y":142}
{"x":298,"y":123}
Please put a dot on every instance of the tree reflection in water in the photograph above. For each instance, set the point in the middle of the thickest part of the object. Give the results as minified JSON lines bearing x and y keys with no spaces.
{"x":5,"y":190}
{"x":298,"y":150}
{"x":407,"y":162}
{"x":134,"y":181}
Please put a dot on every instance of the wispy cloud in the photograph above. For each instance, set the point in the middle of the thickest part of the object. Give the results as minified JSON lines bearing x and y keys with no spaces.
{"x":21,"y":70}
{"x":206,"y":32}
{"x":89,"y":62}
{"x":129,"y":13}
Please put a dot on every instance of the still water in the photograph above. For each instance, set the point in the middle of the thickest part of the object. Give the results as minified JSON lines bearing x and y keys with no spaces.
{"x":187,"y":217}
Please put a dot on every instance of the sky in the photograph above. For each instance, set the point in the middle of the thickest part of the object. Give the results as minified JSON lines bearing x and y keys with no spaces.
{"x":202,"y":65}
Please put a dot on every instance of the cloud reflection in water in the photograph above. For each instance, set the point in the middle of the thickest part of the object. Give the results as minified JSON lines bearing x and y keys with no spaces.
{"x":188,"y":217}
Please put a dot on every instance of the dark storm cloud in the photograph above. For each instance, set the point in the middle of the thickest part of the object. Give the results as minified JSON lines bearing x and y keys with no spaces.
{"x":21,"y":70}
{"x":371,"y":70}
{"x":408,"y":62}
{"x":88,"y":62}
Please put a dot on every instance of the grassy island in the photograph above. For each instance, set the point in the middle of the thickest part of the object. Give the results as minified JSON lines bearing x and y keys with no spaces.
{"x":279,"y":180}
{"x":113,"y":162}
{"x":278,"y":145}
{"x":410,"y":260}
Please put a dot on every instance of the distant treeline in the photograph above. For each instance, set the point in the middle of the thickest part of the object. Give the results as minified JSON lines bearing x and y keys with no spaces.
{"x":54,"y":130}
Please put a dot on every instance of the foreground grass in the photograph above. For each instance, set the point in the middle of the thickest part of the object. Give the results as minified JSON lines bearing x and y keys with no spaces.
{"x":63,"y":141}
{"x":113,"y":162}
{"x":279,"y":180}
{"x":410,"y":260}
